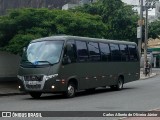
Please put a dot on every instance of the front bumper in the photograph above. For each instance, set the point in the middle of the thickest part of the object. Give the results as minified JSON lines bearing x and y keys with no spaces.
{"x":44,"y":86}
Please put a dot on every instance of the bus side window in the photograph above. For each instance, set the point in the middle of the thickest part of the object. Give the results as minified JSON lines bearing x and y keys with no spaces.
{"x":115,"y":52}
{"x":133,"y":55}
{"x":94,"y":53}
{"x":82,"y":51}
{"x":124,"y":52}
{"x":70,"y":51}
{"x":105,"y":52}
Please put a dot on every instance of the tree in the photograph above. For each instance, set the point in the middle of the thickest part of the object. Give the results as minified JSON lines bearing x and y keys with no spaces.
{"x":154,"y":29}
{"x":120,"y":19}
{"x":21,"y":26}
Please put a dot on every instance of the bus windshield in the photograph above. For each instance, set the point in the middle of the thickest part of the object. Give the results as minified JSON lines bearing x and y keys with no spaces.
{"x":42,"y":53}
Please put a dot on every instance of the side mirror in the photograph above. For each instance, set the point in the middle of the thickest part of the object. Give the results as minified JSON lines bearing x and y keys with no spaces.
{"x":69,"y":47}
{"x":66,"y":60}
{"x":24,"y":49}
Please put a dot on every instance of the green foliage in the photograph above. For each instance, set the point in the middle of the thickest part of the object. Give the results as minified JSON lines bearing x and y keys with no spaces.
{"x":154,"y":29}
{"x":21,"y":26}
{"x":123,"y":25}
{"x":18,"y":42}
{"x":120,"y":19}
{"x":110,"y":19}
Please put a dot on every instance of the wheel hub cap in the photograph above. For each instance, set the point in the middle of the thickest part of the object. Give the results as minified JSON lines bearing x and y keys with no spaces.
{"x":70,"y":90}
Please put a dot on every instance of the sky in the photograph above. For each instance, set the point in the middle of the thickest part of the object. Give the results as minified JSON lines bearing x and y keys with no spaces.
{"x":136,"y":2}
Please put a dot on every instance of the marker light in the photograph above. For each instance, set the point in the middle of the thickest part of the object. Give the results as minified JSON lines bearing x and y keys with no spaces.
{"x":19,"y":87}
{"x":63,"y":81}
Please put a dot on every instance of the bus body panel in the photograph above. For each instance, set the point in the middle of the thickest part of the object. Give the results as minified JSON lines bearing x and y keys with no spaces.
{"x":92,"y":75}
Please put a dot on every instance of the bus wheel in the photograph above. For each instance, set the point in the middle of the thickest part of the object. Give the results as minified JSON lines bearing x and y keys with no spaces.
{"x":35,"y":95}
{"x":71,"y":90}
{"x":119,"y":85}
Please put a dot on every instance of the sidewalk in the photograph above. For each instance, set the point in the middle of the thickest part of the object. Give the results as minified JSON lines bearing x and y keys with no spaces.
{"x":11,"y":88}
{"x":142,"y":76}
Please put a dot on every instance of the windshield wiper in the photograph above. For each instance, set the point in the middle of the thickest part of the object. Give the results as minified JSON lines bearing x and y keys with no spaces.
{"x":36,"y":62}
{"x":27,"y":62}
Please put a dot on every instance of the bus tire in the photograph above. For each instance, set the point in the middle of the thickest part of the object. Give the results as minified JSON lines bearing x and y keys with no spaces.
{"x":119,"y":85}
{"x":35,"y":95}
{"x":71,"y":90}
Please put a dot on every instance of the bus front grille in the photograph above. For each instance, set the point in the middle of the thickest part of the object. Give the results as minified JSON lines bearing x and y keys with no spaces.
{"x":34,"y":87}
{"x":33,"y":78}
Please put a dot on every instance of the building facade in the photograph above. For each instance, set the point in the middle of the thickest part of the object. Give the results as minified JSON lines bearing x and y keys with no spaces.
{"x":12,"y":4}
{"x":157,"y":10}
{"x":154,"y":47}
{"x":78,"y":3}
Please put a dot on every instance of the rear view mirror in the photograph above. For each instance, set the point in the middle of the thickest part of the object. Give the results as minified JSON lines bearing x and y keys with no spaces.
{"x":24,"y":49}
{"x":66,"y":60}
{"x":69,"y":47}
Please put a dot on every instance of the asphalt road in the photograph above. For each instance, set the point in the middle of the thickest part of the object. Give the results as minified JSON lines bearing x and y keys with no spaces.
{"x":141,"y":95}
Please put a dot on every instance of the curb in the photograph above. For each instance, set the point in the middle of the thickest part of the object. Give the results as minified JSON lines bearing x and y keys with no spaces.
{"x":151,"y":76}
{"x":11,"y":94}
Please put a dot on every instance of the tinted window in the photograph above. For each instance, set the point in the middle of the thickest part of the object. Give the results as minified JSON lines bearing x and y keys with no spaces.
{"x":124,"y":52}
{"x":133,"y":53}
{"x":71,"y":51}
{"x":82,"y":50}
{"x":105,"y":52}
{"x":93,"y":49}
{"x":115,"y":53}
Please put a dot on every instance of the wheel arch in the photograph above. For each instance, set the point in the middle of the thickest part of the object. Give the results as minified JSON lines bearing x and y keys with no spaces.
{"x":74,"y":81}
{"x":122,"y":77}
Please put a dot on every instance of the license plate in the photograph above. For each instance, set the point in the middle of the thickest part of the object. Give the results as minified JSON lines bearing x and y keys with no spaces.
{"x":32,"y":82}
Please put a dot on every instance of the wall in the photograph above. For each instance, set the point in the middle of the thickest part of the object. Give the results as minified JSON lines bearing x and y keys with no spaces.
{"x":9,"y":64}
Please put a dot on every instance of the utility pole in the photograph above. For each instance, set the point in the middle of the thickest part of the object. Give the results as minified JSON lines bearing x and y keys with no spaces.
{"x":146,"y":35}
{"x":149,"y":4}
{"x":140,"y":25}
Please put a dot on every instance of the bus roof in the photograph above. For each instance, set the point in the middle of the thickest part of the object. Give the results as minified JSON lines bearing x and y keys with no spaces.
{"x":67,"y":37}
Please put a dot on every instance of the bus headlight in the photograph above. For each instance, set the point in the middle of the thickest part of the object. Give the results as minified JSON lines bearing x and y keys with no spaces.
{"x":52,"y":86}
{"x":20,"y":77}
{"x":45,"y":77}
{"x":19,"y":87}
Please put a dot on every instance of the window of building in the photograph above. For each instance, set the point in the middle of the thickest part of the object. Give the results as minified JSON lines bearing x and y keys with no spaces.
{"x":133,"y":55}
{"x":124,"y":52}
{"x":115,"y":52}
{"x":105,"y":52}
{"x":82,"y":51}
{"x":94,"y":54}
